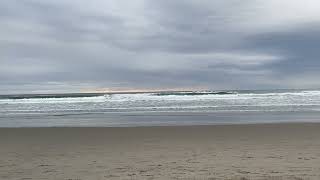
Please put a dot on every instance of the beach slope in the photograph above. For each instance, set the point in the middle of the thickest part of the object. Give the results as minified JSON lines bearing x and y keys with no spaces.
{"x":266,"y":151}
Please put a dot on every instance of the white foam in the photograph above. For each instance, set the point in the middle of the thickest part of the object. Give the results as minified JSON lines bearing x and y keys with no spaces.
{"x":154,"y":102}
{"x":53,"y":100}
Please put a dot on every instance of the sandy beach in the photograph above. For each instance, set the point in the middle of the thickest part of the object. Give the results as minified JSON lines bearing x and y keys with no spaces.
{"x":265,"y":151}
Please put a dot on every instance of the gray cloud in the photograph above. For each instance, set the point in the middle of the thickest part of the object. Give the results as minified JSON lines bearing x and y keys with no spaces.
{"x":74,"y":45}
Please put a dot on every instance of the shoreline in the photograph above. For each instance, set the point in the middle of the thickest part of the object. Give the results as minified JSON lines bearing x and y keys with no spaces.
{"x":171,"y":125}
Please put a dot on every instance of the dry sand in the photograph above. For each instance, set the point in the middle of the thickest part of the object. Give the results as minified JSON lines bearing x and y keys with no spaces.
{"x":270,"y":151}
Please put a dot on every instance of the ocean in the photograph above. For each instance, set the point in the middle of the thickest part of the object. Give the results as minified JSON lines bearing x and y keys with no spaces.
{"x":160,"y":108}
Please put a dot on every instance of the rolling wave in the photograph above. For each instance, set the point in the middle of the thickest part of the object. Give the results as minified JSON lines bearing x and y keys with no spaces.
{"x":48,"y":96}
{"x":167,"y":101}
{"x":61,"y":109}
{"x":195,"y":93}
{"x":162,"y":96}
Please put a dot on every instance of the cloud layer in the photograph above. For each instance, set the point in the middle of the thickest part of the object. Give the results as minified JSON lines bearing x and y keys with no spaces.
{"x":59,"y":45}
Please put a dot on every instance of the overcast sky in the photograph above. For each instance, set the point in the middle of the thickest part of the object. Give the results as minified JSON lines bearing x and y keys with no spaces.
{"x":75,"y":45}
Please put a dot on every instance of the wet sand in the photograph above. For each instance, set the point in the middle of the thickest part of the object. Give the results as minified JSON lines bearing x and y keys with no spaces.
{"x":269,"y":151}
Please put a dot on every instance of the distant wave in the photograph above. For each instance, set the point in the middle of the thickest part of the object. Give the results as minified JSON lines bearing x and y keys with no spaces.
{"x":246,"y":93}
{"x":46,"y":96}
{"x":52,"y":100}
{"x":195,"y":93}
{"x":87,"y":95}
{"x":213,"y":98}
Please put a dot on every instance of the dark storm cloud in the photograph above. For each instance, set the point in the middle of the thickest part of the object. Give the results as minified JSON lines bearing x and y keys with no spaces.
{"x":75,"y":45}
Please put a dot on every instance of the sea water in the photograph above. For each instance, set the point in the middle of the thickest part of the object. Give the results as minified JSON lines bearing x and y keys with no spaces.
{"x":156,"y":109}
